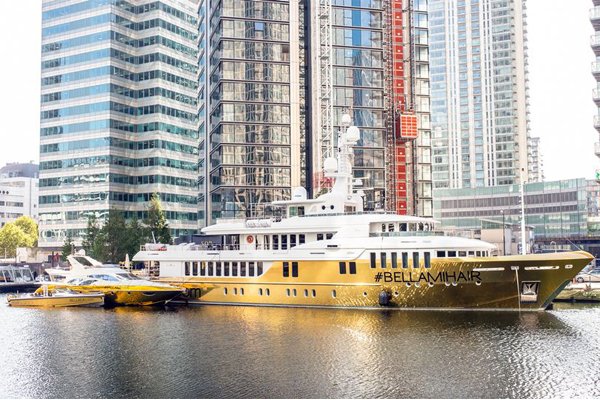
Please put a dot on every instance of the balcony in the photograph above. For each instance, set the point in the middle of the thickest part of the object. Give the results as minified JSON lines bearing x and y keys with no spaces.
{"x":597,"y":149}
{"x":596,"y":70}
{"x":596,"y":2}
{"x":597,"y":122}
{"x":595,"y":18}
{"x":595,"y":43}
{"x":596,"y":96}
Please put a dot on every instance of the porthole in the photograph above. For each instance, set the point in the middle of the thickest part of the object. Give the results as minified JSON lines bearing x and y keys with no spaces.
{"x":478,"y":283}
{"x":454,"y":284}
{"x":242,"y":291}
{"x":407,"y":284}
{"x":332,"y":207}
{"x":260,"y":292}
{"x":365,"y":294}
{"x":225,"y":291}
{"x":305,"y":292}
{"x":417,"y":284}
{"x":235,"y":291}
{"x":396,"y":294}
{"x":322,"y":207}
{"x":447,"y":283}
{"x":333,"y":294}
{"x":287,"y":292}
{"x":314,"y":293}
{"x":430,"y":284}
{"x":268,"y":291}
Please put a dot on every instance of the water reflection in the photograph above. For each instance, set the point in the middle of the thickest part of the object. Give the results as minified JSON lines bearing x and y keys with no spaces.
{"x":270,"y":352}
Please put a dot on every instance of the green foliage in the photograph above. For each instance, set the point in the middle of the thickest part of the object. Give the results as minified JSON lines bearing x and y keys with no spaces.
{"x":11,"y":237}
{"x":137,"y":235}
{"x":93,"y":243}
{"x":157,"y":221}
{"x":116,"y":236}
{"x":68,"y":248}
{"x":29,"y":226}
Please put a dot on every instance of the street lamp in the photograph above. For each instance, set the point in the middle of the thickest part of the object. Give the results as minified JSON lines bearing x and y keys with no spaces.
{"x":503,"y":234}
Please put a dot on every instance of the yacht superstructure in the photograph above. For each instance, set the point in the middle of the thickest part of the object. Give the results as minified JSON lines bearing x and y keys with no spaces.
{"x":328,"y":252}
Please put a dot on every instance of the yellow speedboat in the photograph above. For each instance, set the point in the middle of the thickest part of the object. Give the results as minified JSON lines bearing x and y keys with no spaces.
{"x":56,"y":298}
{"x":120,"y":288}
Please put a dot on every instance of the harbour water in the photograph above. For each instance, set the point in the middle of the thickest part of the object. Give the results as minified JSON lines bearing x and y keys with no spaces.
{"x":219,"y":351}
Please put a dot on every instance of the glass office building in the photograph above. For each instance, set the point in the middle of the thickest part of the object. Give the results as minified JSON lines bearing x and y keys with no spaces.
{"x":119,"y":112}
{"x":557,"y":209}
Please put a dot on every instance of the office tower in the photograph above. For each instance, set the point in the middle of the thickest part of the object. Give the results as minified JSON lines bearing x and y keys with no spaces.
{"x":478,"y":92}
{"x":256,"y":98}
{"x":119,"y":112}
{"x":595,"y":42}
{"x":18,"y":192}
{"x":370,"y":59}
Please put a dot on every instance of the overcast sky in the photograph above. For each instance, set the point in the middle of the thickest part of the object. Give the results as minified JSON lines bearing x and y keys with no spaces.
{"x":559,"y":71}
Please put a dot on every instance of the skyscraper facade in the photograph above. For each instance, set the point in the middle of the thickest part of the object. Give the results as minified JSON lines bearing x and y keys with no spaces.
{"x":119,"y":112}
{"x":478,"y":92}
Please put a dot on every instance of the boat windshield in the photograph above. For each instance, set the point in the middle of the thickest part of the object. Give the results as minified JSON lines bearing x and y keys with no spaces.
{"x":124,"y":276}
{"x":105,"y":277}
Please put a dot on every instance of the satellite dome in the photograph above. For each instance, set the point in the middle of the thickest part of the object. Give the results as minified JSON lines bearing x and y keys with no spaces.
{"x":330,"y":164}
{"x":352,"y":134}
{"x":346,"y":119}
{"x":299,"y":193}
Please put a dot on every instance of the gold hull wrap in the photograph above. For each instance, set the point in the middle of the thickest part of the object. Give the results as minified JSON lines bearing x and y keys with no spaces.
{"x":513,"y":282}
{"x":128,"y":296}
{"x":58,"y":301}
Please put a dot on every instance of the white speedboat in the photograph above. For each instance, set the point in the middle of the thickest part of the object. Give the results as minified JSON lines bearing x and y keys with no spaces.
{"x":118,"y":286}
{"x":56,"y":298}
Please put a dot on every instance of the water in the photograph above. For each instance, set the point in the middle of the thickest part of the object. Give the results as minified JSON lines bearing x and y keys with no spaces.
{"x":216,"y":351}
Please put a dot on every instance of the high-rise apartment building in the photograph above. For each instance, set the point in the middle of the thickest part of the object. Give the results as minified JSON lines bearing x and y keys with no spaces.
{"x":478,"y":92}
{"x":595,"y":42}
{"x":535,"y":161}
{"x":119,"y":112}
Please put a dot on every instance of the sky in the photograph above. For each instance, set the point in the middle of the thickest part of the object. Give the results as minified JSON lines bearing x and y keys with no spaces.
{"x":561,"y":83}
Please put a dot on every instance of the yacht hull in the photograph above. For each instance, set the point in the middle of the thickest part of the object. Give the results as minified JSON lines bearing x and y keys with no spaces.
{"x":96,"y":299}
{"x":496,"y":283}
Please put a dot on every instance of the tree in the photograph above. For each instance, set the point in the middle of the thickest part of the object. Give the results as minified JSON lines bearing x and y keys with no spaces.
{"x":137,"y":235}
{"x":11,"y":237}
{"x":157,"y":222}
{"x":93,"y":242}
{"x":68,"y":248}
{"x":29,"y":226}
{"x":115,"y":233}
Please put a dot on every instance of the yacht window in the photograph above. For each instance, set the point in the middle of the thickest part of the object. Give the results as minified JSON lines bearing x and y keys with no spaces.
{"x":195,"y":268}
{"x":471,"y":253}
{"x":441,"y":253}
{"x":420,"y":226}
{"x":383,"y":260}
{"x":319,"y":236}
{"x":259,"y":268}
{"x":415,"y":260}
{"x":275,"y":242}
{"x":295,"y":269}
{"x":301,"y":239}
{"x":305,"y":292}
{"x":260,"y":292}
{"x":286,"y":269}
{"x":284,"y":242}
{"x":352,"y":268}
{"x":268,"y":291}
{"x":394,"y":260}
{"x":333,"y":293}
{"x":329,"y":235}
{"x":462,"y":253}
{"x":427,"y":256}
{"x":242,"y":291}
{"x":314,"y":293}
{"x":293,"y":211}
{"x":243,"y":271}
{"x":187,"y":268}
{"x":234,"y":268}
{"x":127,"y":277}
{"x":251,"y":268}
{"x":295,"y":292}
{"x":383,"y":226}
{"x":202,"y":268}
{"x":342,"y":267}
{"x":218,"y":269}
{"x":235,"y":291}
{"x":403,"y":227}
{"x":225,"y":291}
{"x":292,"y":241}
{"x":451,"y":253}
{"x":266,"y":240}
{"x":301,"y":210}
{"x":210,"y":268}
{"x":404,"y":259}
{"x":391,"y":228}
{"x":226,"y":268}
{"x":412,"y":227}
{"x":287,"y":291}
{"x":373,"y":260}
{"x":478,"y":253}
